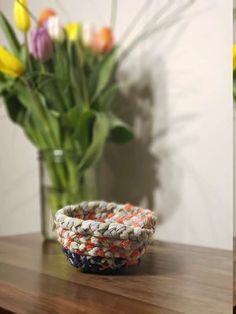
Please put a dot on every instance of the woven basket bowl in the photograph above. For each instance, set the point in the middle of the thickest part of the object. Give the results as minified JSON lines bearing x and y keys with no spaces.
{"x":98,"y":236}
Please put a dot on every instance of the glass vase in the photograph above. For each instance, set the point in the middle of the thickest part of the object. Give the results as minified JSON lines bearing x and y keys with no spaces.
{"x":61,"y":184}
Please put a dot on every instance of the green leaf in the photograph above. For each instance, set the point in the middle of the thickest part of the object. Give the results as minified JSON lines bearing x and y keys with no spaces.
{"x":75,"y":77}
{"x":51,"y":122}
{"x":95,"y":150}
{"x":120,"y":131}
{"x":80,"y":126}
{"x":14,"y":108}
{"x":49,"y":89}
{"x":234,"y":91}
{"x":106,"y":98}
{"x":34,"y":133}
{"x":68,"y":141}
{"x":84,"y":129}
{"x":71,"y":117}
{"x":6,"y":86}
{"x":234,"y":15}
{"x":62,"y":74}
{"x":61,"y":64}
{"x":45,"y":122}
{"x":10,"y":34}
{"x":24,"y":96}
{"x":102,"y":74}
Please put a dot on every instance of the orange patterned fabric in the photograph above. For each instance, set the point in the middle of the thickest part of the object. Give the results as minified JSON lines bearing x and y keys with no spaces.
{"x":107,"y":231}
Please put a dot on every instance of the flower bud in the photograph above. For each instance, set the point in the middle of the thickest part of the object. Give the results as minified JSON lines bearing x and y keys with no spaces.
{"x":44,"y":16}
{"x":21,"y":15}
{"x":234,"y":56}
{"x":103,"y":41}
{"x":73,"y":31}
{"x":9,"y":64}
{"x":55,"y":29}
{"x":88,"y":34}
{"x":42,"y":46}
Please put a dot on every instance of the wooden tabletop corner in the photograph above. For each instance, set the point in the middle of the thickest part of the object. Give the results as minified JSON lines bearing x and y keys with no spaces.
{"x":35,"y":277}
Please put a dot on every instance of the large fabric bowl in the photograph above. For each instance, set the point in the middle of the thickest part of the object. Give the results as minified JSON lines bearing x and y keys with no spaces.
{"x":97,"y":235}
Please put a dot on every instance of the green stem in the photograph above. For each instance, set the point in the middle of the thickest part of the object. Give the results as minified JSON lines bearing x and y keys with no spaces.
{"x":77,"y":187}
{"x":83,"y":79}
{"x":28,"y":58}
{"x":61,"y":75}
{"x":52,"y":173}
{"x":61,"y":170}
{"x":73,"y":180}
{"x":74,"y":82}
{"x":41,"y":111}
{"x":54,"y":202}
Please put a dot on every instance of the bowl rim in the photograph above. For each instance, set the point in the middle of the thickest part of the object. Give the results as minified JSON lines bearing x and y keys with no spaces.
{"x":115,"y":230}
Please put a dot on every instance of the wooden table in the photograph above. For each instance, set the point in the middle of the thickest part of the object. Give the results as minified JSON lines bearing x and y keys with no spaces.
{"x":234,"y":284}
{"x":36,"y":278}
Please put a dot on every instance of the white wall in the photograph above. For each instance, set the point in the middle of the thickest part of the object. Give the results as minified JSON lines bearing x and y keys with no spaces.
{"x":181,"y":164}
{"x":234,"y":176}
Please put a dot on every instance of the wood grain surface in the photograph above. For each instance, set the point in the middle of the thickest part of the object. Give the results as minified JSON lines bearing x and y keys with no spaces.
{"x":234,"y":271}
{"x":35,"y":277}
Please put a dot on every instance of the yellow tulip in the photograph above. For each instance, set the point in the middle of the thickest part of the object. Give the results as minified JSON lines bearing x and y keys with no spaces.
{"x":9,"y":64}
{"x":21,"y":15}
{"x":73,"y":31}
{"x":234,"y":56}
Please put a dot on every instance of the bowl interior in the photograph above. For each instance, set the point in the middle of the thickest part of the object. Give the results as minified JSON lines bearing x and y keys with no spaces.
{"x":123,"y":214}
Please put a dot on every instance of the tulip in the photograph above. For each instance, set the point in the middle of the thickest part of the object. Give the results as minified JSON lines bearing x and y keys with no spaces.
{"x":88,"y":34}
{"x":45,"y":15}
{"x":73,"y":31}
{"x":21,"y":15}
{"x":103,"y":41}
{"x":9,"y":64}
{"x":42,"y":46}
{"x":55,"y":29}
{"x":234,"y":56}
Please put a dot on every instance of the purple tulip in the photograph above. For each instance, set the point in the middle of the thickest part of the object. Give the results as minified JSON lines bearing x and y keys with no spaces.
{"x":42,"y":46}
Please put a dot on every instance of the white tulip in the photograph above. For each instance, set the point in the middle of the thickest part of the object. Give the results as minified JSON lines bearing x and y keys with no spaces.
{"x":55,"y":30}
{"x":88,"y":34}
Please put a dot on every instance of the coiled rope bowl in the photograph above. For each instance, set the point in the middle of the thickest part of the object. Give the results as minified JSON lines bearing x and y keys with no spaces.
{"x":98,"y":236}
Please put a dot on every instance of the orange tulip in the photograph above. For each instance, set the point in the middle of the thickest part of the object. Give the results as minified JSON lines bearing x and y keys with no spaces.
{"x":45,"y":15}
{"x":103,"y":41}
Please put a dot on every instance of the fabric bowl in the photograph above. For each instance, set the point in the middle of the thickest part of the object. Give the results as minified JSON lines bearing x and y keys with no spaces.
{"x":98,"y":236}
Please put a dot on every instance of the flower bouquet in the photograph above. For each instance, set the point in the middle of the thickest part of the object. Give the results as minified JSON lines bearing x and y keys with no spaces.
{"x":58,"y":84}
{"x":58,"y":87}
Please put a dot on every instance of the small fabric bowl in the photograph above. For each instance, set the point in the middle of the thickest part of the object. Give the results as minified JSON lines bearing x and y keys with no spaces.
{"x":98,"y":236}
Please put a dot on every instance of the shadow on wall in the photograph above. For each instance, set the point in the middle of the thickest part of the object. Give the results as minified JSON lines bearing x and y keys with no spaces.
{"x":128,"y":172}
{"x":131,"y":172}
{"x":145,"y":172}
